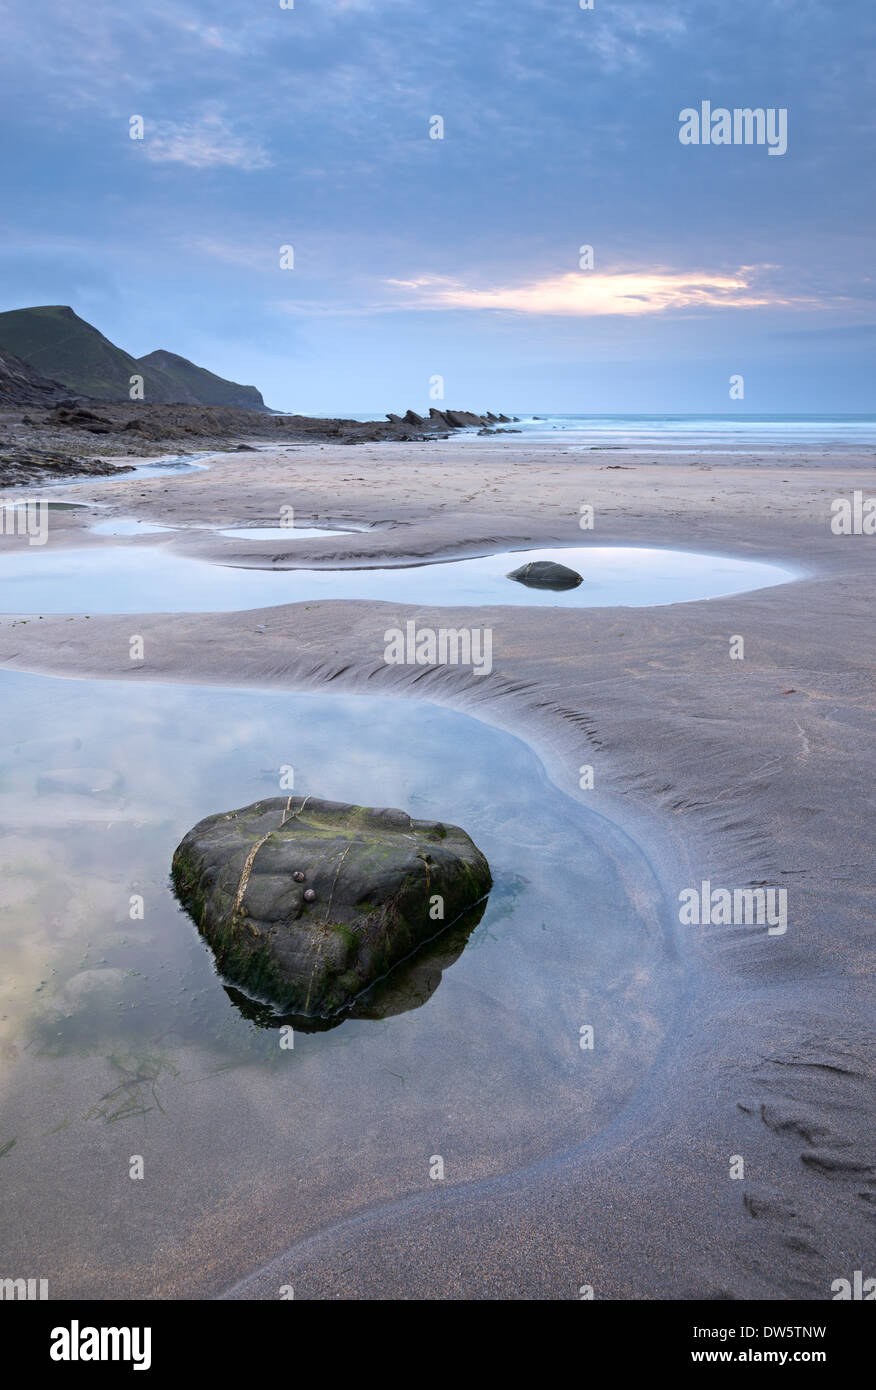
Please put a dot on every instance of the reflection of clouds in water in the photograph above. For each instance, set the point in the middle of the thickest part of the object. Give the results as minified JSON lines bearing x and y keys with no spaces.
{"x":174,"y":755}
{"x":339,"y":751}
{"x":156,"y":579}
{"x":494,"y":1045}
{"x":48,"y":923}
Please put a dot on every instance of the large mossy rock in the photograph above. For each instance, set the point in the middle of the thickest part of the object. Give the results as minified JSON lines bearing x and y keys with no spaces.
{"x":546,"y":574}
{"x":306,"y":903}
{"x":408,"y":986}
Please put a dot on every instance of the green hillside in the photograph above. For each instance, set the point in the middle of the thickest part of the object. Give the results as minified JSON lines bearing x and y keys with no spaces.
{"x":60,"y":345}
{"x":196,"y":383}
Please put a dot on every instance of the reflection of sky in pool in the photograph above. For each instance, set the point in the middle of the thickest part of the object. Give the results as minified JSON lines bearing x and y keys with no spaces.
{"x":118,"y":1037}
{"x":157,"y":468}
{"x":126,"y":526}
{"x":117,"y":579}
{"x":283,"y":533}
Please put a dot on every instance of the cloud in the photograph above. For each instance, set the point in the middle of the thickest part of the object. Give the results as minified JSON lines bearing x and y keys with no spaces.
{"x":248,"y":255}
{"x":628,"y":35}
{"x":212,"y":36}
{"x":207,"y":144}
{"x":587,"y":294}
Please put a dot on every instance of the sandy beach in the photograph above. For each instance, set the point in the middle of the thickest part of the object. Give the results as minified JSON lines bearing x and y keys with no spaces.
{"x":741,"y":772}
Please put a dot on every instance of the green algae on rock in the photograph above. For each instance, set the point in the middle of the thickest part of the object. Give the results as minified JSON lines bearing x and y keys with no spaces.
{"x":376,"y":885}
{"x":408,"y":986}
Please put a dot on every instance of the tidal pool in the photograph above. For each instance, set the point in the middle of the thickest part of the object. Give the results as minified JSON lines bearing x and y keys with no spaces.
{"x":118,"y":1038}
{"x":179,"y":463}
{"x":156,"y":579}
{"x":127,"y":526}
{"x":284,"y":533}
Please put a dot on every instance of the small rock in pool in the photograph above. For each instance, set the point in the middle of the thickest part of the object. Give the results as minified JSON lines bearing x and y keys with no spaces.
{"x":383,"y":884}
{"x":546,"y":574}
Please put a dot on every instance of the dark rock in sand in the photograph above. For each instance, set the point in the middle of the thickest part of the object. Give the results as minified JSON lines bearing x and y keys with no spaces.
{"x":545,"y":574}
{"x":312,"y":946}
{"x":412,"y":418}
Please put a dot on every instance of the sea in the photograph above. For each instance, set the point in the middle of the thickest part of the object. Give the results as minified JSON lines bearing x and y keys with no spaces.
{"x":694,"y":434}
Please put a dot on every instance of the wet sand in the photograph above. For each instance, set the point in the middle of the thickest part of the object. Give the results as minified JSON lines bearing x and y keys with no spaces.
{"x":747,"y":772}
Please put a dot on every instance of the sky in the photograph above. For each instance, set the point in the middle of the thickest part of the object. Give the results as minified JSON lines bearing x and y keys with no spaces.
{"x":459,"y":258}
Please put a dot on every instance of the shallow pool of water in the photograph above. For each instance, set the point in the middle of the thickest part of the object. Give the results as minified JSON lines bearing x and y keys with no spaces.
{"x":118,"y":1037}
{"x":158,"y":468}
{"x":283,"y":533}
{"x":118,"y":579}
{"x":127,"y":526}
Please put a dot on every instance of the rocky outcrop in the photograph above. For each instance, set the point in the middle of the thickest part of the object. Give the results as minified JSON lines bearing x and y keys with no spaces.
{"x":462,"y":419}
{"x":78,"y":418}
{"x":20,"y":467}
{"x":144,"y":428}
{"x":306,"y":903}
{"x":545,"y":574}
{"x":21,"y":385}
